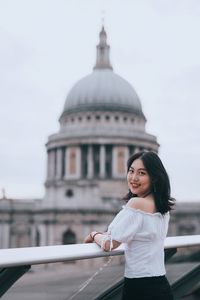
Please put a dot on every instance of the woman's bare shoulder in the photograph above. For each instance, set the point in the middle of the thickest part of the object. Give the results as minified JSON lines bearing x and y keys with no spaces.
{"x":136,"y":203}
{"x":142,"y":204}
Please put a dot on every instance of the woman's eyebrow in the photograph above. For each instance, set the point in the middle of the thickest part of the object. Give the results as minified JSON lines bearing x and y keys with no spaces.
{"x":140,"y":169}
{"x":131,"y":168}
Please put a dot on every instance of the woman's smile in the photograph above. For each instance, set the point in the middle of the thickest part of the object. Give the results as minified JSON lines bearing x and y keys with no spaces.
{"x":135,"y":185}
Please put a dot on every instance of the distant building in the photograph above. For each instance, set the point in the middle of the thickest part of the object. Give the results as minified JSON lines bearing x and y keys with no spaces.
{"x":101,"y":125}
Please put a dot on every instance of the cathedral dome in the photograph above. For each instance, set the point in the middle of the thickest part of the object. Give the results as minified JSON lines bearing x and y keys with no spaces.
{"x":103,"y":90}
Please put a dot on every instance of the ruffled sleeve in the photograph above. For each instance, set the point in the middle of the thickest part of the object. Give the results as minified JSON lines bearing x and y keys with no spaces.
{"x":125,"y":225}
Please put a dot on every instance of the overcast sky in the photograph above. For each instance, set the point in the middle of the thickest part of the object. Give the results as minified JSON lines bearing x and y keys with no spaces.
{"x":47,"y":45}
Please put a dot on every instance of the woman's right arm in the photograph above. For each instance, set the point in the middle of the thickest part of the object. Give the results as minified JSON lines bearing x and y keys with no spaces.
{"x":102,"y":239}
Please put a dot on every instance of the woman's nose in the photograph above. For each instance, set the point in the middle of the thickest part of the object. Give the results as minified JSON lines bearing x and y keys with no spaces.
{"x":134,"y":177}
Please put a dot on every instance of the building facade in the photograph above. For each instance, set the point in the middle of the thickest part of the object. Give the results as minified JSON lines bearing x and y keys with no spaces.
{"x":101,"y":125}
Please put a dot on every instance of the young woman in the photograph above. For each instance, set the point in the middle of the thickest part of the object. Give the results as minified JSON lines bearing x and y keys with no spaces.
{"x":142,"y":226}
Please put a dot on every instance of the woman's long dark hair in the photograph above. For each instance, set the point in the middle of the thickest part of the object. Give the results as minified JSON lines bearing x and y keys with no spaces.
{"x":160,"y":181}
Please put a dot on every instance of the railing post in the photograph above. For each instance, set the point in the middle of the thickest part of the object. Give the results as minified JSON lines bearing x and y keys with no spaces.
{"x":169,"y":253}
{"x":8,"y":276}
{"x":185,"y":284}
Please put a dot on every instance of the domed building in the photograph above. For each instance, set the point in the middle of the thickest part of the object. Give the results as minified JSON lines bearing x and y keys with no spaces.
{"x":101,"y":125}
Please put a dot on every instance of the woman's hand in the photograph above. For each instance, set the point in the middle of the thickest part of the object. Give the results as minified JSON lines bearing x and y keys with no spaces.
{"x":88,"y":239}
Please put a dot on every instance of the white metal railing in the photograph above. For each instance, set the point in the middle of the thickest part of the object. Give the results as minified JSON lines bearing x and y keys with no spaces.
{"x":50,"y":254}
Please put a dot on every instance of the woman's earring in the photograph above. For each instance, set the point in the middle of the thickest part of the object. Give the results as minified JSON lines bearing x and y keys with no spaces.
{"x":154,"y":188}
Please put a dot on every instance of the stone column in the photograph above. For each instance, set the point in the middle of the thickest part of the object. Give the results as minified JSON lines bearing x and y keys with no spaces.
{"x":51,"y":164}
{"x":48,"y":165}
{"x":66,"y":162}
{"x":102,"y":161}
{"x":90,"y":162}
{"x":50,"y":234}
{"x":6,"y":233}
{"x":43,"y":234}
{"x":114,"y":161}
{"x":4,"y":236}
{"x":59,"y":163}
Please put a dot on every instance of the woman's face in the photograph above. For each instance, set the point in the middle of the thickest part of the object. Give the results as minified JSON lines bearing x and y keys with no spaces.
{"x":139,"y":181}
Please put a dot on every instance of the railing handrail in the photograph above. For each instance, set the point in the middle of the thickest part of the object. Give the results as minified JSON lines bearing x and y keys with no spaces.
{"x":59,"y":253}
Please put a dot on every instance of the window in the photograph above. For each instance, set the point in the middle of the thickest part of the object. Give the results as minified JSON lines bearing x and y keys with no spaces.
{"x":125,"y":119}
{"x":116,"y":118}
{"x":69,"y":193}
{"x":68,"y":237}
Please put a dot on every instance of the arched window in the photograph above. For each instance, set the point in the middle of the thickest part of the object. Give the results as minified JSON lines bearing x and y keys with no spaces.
{"x":69,"y":237}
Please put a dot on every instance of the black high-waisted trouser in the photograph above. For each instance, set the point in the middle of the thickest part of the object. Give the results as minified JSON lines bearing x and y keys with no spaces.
{"x":147,"y":288}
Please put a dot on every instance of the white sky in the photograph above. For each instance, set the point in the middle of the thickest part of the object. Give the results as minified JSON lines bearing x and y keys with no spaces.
{"x":47,"y":45}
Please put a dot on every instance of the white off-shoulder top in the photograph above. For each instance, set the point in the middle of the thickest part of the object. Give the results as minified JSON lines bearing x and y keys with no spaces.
{"x":143,"y":235}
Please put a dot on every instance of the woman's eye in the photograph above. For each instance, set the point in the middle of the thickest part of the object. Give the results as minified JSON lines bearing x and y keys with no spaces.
{"x":142,"y":173}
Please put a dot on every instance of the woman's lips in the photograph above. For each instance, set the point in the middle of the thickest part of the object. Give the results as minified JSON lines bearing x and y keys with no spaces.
{"x":135,"y":186}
